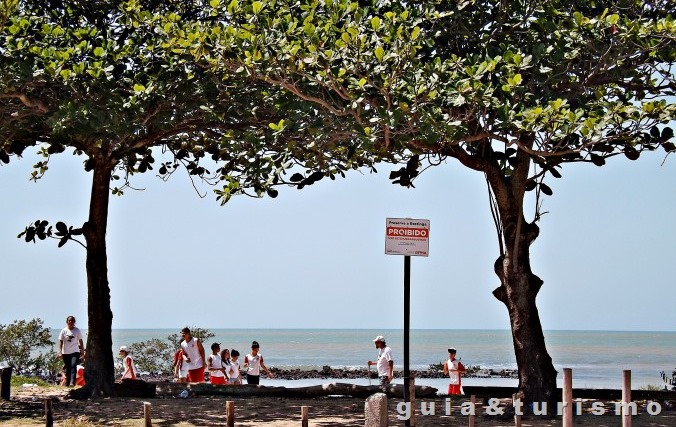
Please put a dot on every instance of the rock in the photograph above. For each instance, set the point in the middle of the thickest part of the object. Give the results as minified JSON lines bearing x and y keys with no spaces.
{"x":375,"y":410}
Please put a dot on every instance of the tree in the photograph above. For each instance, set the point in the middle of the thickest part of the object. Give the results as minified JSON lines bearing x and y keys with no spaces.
{"x":102,"y":81}
{"x":19,"y":341}
{"x":513,"y":90}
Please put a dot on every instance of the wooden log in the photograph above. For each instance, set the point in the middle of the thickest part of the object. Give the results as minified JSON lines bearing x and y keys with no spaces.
{"x":230,"y":413}
{"x":135,"y":388}
{"x":330,"y":389}
{"x":567,"y":397}
{"x":472,"y":416}
{"x":411,"y":396}
{"x":304,"y":416}
{"x":5,"y":382}
{"x":49,"y":415}
{"x":580,"y":393}
{"x":147,"y":416}
{"x":517,"y":416}
{"x":626,"y":398}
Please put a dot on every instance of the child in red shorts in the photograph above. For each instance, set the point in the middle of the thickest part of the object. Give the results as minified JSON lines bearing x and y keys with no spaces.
{"x":215,"y":365}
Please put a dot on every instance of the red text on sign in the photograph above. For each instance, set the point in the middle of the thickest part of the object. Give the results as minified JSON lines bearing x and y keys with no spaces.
{"x":407,"y":232}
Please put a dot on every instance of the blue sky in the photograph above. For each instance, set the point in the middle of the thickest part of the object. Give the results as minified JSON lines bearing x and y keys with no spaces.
{"x":315,"y":258}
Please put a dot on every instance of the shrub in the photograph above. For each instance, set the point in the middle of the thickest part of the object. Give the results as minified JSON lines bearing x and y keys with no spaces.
{"x":155,"y":356}
{"x":20,"y":340}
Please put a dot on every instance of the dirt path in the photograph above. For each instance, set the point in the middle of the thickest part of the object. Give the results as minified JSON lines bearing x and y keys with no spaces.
{"x":26,"y":409}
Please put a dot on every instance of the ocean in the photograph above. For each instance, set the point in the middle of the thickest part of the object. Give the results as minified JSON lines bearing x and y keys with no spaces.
{"x":597,"y":358}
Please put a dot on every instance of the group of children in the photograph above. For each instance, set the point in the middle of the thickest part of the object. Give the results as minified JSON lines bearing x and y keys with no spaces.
{"x":223,"y":365}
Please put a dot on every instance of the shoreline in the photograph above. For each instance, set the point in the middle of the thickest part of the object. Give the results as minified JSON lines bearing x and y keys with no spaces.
{"x":355,"y":373}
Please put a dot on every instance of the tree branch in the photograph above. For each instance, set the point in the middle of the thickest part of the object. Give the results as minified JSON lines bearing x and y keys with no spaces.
{"x":25,"y":100}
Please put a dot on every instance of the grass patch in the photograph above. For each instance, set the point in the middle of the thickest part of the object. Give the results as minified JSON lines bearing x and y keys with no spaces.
{"x":20,"y":380}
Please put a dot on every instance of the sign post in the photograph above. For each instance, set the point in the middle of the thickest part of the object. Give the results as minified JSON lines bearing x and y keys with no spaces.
{"x":408,"y":237}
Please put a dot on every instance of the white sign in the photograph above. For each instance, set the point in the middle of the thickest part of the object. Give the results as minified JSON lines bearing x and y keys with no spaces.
{"x":406,"y":236}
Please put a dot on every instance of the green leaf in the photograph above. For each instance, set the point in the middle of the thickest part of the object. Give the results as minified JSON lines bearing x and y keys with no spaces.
{"x":380,"y":53}
{"x":139,"y":88}
{"x":375,"y":23}
{"x":257,"y":7}
{"x":214,"y":3}
{"x":99,"y":51}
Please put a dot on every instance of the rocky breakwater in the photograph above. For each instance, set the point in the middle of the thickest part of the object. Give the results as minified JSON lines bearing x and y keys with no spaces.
{"x":353,"y":373}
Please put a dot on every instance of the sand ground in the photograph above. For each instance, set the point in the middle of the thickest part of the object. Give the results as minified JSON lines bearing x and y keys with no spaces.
{"x":26,"y":408}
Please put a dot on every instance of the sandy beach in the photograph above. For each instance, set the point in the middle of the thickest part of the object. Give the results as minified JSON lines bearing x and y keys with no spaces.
{"x":26,"y":408}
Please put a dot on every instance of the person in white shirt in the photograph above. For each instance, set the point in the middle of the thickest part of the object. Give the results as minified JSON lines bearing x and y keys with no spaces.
{"x":385,"y":363}
{"x":454,"y":368}
{"x":193,"y":355}
{"x":234,"y":374}
{"x":253,"y":362}
{"x":128,"y":363}
{"x":215,"y":365}
{"x":71,"y":349}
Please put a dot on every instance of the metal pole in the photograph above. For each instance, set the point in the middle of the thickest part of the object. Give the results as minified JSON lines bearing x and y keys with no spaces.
{"x":407,"y":327}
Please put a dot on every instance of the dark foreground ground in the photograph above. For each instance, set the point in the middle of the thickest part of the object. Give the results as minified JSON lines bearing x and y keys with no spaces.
{"x":26,"y":408}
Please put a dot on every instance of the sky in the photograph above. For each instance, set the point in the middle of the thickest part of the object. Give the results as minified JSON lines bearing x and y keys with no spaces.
{"x":315,"y":258}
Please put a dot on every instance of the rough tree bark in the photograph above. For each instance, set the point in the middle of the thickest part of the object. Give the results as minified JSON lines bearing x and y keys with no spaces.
{"x":100,"y":374}
{"x":518,"y":291}
{"x":518,"y":285}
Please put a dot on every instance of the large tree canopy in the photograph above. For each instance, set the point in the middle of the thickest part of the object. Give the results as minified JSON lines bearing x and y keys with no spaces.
{"x":101,"y":80}
{"x":513,"y":90}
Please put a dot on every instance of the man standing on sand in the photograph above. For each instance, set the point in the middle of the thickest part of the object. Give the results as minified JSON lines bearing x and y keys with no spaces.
{"x":193,"y":356}
{"x":385,"y":363}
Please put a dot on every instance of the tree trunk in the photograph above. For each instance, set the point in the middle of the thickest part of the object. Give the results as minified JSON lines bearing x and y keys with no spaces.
{"x":100,"y":371}
{"x":518,"y":291}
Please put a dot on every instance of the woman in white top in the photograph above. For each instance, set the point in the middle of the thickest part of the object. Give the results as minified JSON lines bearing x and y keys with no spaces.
{"x":71,"y":348}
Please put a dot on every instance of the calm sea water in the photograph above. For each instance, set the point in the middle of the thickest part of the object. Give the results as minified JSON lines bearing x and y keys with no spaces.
{"x":597,"y":358}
